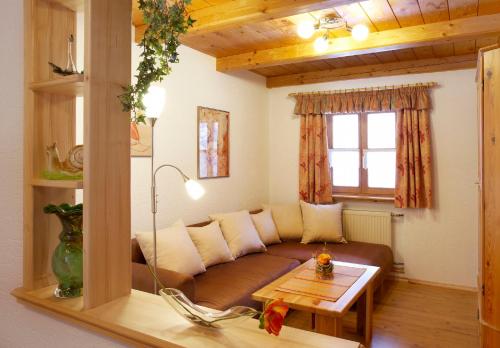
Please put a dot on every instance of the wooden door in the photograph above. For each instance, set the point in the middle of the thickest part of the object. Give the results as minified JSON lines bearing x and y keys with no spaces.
{"x":490,"y":199}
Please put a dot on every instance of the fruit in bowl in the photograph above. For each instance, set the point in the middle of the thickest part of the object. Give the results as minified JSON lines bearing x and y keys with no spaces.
{"x":324,"y":259}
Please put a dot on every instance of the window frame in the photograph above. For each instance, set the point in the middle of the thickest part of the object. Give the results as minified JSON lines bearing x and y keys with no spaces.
{"x":362,"y":190}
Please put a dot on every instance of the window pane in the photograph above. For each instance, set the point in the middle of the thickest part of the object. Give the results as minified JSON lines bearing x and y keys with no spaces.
{"x":345,"y":166}
{"x":381,"y":169}
{"x":345,"y":131}
{"x":382,"y":131}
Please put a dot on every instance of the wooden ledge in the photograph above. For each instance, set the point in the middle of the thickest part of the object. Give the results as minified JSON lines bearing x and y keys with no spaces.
{"x":346,"y":197}
{"x":71,"y":85}
{"x":70,"y":184}
{"x":143,"y":319}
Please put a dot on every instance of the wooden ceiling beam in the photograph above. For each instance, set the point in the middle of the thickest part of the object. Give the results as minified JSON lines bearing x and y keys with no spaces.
{"x":376,"y":70}
{"x":231,"y":14}
{"x":388,"y":40}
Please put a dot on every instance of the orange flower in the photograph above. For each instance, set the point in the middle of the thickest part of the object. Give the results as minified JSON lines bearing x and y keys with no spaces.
{"x":273,"y":316}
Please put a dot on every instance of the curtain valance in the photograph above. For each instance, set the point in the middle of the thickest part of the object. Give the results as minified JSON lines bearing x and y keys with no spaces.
{"x":414,"y":97}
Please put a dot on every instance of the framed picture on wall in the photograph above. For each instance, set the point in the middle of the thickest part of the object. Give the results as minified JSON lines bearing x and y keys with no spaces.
{"x":213,"y":143}
{"x":140,"y":140}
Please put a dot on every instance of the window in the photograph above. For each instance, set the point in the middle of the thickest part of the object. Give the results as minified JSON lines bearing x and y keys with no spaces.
{"x":363,"y":153}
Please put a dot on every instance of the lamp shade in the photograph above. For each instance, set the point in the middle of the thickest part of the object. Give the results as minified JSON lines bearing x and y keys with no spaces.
{"x":305,"y":29}
{"x":194,"y":189}
{"x":360,"y":32}
{"x":154,"y":101}
{"x":321,"y":44}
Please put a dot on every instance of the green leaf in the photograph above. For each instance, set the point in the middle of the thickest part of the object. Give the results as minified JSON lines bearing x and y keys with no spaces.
{"x":159,"y":45}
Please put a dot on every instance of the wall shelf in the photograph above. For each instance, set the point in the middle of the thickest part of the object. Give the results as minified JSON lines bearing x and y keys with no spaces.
{"x":143,"y":319}
{"x":68,"y":85}
{"x":69,"y":184}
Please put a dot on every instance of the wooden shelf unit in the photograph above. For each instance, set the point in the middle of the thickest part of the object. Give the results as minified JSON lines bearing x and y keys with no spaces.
{"x":50,"y":117}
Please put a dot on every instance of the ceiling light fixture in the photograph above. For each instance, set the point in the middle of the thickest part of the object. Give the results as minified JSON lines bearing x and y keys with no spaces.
{"x":321,"y":44}
{"x":360,"y":32}
{"x":306,"y":29}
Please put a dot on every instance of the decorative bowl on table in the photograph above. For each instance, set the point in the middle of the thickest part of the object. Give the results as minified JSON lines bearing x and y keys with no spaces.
{"x":202,"y":317}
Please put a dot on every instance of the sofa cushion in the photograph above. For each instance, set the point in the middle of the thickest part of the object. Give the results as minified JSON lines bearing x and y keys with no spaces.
{"x":266,"y":227}
{"x":175,"y":249}
{"x":322,"y":223}
{"x":288,"y":220}
{"x":210,"y":244}
{"x":230,"y":284}
{"x":239,"y":232}
{"x":356,"y":252}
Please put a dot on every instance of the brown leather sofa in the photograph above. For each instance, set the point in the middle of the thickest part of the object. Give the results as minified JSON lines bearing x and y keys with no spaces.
{"x":225,"y":285}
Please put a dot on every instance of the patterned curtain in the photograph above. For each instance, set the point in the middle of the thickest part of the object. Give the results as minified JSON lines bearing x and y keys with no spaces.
{"x":413,"y":159}
{"x":315,"y":183}
{"x":412,"y":105}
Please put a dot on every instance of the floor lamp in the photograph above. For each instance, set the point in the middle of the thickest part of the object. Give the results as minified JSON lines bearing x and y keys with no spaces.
{"x":154,"y":102}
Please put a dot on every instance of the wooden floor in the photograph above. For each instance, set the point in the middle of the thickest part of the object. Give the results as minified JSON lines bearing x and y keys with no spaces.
{"x":415,"y":315}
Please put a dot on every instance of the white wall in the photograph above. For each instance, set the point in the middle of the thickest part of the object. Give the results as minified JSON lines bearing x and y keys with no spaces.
{"x":195,"y":82}
{"x":19,"y":326}
{"x":440,"y":244}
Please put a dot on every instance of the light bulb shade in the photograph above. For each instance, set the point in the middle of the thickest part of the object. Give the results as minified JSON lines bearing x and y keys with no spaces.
{"x":154,"y":101}
{"x":360,"y":32}
{"x":321,"y":44}
{"x":194,"y":189}
{"x":305,"y":29}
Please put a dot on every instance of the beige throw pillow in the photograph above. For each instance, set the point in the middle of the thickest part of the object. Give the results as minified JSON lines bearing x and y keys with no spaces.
{"x":265,"y":226}
{"x":175,"y":249}
{"x":210,"y":244}
{"x":322,"y":223}
{"x":288,"y":220}
{"x":239,"y":232}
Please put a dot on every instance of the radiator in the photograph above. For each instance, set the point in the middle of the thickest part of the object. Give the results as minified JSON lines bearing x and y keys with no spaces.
{"x":367,"y":226}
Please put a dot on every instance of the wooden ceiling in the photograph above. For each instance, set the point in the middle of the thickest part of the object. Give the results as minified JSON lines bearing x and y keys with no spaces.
{"x":407,"y":36}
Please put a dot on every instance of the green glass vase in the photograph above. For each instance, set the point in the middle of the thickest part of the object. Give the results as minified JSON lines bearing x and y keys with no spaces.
{"x":67,"y":260}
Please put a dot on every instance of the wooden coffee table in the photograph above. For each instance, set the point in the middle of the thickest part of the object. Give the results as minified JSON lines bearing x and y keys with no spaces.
{"x":327,"y":314}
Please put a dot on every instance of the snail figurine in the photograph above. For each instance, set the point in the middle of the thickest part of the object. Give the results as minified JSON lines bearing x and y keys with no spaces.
{"x":71,"y":166}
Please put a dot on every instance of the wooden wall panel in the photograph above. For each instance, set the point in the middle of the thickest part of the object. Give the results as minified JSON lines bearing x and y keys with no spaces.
{"x":107,"y":261}
{"x":490,"y":303}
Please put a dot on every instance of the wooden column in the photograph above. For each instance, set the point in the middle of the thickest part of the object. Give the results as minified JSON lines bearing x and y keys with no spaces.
{"x":490,"y":198}
{"x":107,"y":265}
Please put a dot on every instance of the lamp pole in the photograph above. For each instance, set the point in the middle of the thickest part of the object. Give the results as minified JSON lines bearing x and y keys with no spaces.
{"x":152,"y":122}
{"x":154,"y":101}
{"x":154,"y":210}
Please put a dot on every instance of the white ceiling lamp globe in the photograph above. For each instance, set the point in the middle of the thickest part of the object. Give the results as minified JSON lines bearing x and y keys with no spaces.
{"x":154,"y":101}
{"x":321,"y":44}
{"x":305,"y":29}
{"x":360,"y":32}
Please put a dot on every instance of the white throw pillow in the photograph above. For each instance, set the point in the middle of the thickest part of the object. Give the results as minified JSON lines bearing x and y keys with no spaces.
{"x":265,"y":226}
{"x":288,"y":220}
{"x":322,"y":223}
{"x":210,"y":244}
{"x":239,"y":232}
{"x":175,"y":249}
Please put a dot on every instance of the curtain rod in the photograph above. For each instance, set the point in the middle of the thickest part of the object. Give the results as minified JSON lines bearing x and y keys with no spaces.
{"x":380,"y":88}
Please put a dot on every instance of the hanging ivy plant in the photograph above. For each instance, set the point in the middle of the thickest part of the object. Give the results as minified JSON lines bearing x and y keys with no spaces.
{"x":166,"y":21}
